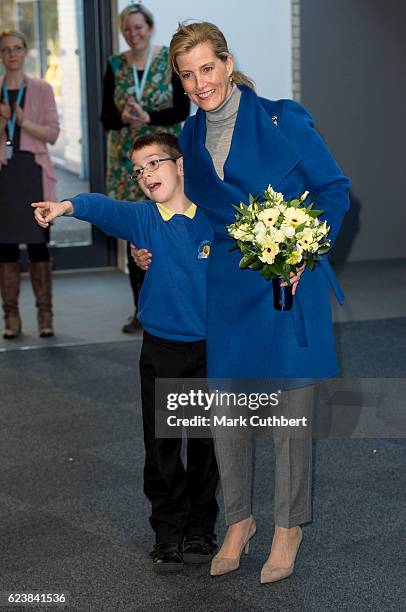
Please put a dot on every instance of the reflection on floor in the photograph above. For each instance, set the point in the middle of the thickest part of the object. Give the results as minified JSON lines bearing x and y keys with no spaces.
{"x":89,"y":307}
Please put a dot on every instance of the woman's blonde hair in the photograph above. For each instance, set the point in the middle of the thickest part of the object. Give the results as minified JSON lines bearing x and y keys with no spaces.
{"x":16,"y":33}
{"x":133,"y":9}
{"x":188,"y":35}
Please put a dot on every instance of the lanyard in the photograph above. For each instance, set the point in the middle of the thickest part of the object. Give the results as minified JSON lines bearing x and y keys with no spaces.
{"x":11,"y":123}
{"x":139,"y":87}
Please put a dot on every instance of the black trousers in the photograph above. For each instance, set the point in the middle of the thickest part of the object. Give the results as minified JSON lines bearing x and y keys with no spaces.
{"x":10,"y":253}
{"x":183,"y":499}
{"x":136,"y":276}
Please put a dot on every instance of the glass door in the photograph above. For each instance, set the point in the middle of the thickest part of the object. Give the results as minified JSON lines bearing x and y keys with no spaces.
{"x":60,"y":54}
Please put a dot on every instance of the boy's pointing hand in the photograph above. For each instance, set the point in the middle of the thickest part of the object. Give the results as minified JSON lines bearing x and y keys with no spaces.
{"x":45,"y":212}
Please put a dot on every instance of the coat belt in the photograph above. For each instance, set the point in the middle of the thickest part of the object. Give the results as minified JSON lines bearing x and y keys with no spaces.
{"x":297,"y":312}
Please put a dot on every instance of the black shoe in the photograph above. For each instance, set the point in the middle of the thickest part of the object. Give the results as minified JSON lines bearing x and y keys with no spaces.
{"x":199,"y":548}
{"x":132,"y":326}
{"x":167,"y":558}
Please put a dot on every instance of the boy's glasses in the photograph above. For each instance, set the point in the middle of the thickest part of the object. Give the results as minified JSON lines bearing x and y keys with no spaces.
{"x":10,"y":50}
{"x":151,"y":166}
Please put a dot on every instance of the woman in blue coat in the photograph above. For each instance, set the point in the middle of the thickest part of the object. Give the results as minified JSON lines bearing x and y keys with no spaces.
{"x":236,"y":144}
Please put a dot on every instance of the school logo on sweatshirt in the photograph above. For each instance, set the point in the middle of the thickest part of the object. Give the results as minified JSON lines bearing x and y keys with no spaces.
{"x":204,"y":250}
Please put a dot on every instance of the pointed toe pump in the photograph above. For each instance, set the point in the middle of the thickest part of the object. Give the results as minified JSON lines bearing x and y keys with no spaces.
{"x":224,"y":565}
{"x":273,"y":573}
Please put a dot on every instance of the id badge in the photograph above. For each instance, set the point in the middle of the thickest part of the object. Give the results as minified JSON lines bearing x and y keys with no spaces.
{"x":9,"y":150}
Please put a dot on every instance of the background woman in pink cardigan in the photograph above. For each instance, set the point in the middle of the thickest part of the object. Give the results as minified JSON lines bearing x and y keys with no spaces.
{"x":28,"y":121}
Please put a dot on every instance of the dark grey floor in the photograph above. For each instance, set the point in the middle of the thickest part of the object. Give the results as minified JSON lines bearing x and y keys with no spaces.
{"x":73,"y":516}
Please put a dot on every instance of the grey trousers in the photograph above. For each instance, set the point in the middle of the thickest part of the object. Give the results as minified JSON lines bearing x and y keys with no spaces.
{"x":293,"y":464}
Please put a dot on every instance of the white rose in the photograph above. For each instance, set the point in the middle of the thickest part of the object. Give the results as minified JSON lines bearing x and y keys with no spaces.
{"x":259,"y":228}
{"x":277,"y":235}
{"x":261,"y":239}
{"x":288,"y":230}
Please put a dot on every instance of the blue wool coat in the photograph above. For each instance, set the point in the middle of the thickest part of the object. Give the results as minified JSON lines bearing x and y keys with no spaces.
{"x":274,"y":142}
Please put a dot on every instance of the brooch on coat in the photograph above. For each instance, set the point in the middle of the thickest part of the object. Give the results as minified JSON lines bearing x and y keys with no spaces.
{"x":275,"y":120}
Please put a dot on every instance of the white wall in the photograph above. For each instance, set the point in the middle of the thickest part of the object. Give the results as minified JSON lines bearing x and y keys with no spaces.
{"x":70,"y":104}
{"x":258,"y":34}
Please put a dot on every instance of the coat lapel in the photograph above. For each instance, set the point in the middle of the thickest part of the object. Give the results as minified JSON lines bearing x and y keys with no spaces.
{"x":259,"y":155}
{"x":202,"y":183}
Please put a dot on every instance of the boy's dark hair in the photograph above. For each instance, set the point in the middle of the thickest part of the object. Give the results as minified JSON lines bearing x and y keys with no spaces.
{"x":168,"y":142}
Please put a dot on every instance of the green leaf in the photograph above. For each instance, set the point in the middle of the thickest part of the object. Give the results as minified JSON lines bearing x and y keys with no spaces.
{"x":315,"y":213}
{"x":300,"y":227}
{"x":257,"y":265}
{"x":323,"y":250}
{"x":244,"y":248}
{"x":277,"y":269}
{"x":286,"y":268}
{"x":267,"y":272}
{"x":310,"y":264}
{"x":237,"y":208}
{"x":246,"y":261}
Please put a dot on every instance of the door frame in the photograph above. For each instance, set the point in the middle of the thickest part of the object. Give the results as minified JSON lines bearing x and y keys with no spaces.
{"x":97,"y":45}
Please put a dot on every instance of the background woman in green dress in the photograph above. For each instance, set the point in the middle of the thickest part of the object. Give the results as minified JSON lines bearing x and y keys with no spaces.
{"x":140,"y":96}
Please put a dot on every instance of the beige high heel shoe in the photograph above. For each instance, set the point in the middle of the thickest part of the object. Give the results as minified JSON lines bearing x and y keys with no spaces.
{"x":224,"y":565}
{"x":272,"y":573}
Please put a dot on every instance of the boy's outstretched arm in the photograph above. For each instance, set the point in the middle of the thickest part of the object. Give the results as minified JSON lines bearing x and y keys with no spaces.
{"x":124,"y":220}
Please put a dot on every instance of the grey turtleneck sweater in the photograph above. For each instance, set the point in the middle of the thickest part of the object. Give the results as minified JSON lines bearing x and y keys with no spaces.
{"x":220,"y":126}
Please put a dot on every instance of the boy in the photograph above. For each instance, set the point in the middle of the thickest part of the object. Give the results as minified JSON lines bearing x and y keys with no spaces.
{"x":172,"y":312}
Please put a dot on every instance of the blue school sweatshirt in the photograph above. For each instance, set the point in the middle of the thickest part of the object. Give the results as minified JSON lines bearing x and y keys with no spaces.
{"x":172,"y":301}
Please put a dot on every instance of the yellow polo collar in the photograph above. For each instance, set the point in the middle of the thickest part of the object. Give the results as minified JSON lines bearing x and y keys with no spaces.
{"x":167,"y":213}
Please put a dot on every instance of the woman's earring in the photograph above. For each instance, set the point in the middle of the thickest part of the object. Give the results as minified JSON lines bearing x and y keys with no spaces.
{"x":184,"y":93}
{"x":231,"y":78}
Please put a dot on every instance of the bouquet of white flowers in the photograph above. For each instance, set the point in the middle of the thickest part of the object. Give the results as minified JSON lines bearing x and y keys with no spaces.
{"x":275,"y":235}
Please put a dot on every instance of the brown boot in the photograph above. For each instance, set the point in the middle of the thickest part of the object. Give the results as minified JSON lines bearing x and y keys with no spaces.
{"x":10,"y":290}
{"x":41,"y":280}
